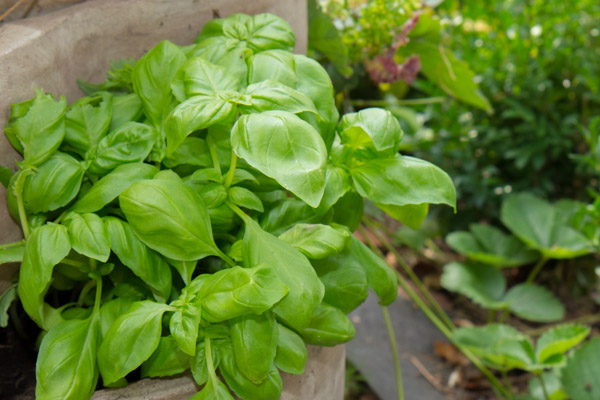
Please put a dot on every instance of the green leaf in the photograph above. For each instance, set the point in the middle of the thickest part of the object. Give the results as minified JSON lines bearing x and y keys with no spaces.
{"x":196,"y":113}
{"x":285,"y":148}
{"x":237,"y":291}
{"x":55,"y":183}
{"x":345,"y":280}
{"x":254,"y":342}
{"x":151,"y":79}
{"x":111,"y":310}
{"x":501,"y":345}
{"x":89,"y":236}
{"x":411,"y":215}
{"x":349,"y":201}
{"x":542,"y":226}
{"x":490,"y":245}
{"x":199,"y":364}
{"x":403,"y":180}
{"x":442,"y":68}
{"x":46,"y":247}
{"x":559,"y":339}
{"x":213,"y":390}
{"x":110,"y":186}
{"x":269,"y":389}
{"x":6,"y":300}
{"x":5,"y":175}
{"x":184,"y":327}
{"x":245,"y":198}
{"x":324,"y":37}
{"x":291,"y":351}
{"x":192,"y":151}
{"x":337,"y":184}
{"x":329,"y":326}
{"x":272,"y":95}
{"x":579,"y":378}
{"x":286,"y":213}
{"x":534,"y":303}
{"x":130,"y":143}
{"x":551,"y":385}
{"x":372,"y":132}
{"x":66,"y":365}
{"x":304,"y":74}
{"x":380,"y":277}
{"x":131,"y":340}
{"x":40,"y":128}
{"x":134,"y":254}
{"x":317,"y":241}
{"x":291,"y":266}
{"x":125,"y":108}
{"x":166,"y":360}
{"x":87,"y":121}
{"x":169,"y":218}
{"x":482,"y":283}
{"x":201,"y":77}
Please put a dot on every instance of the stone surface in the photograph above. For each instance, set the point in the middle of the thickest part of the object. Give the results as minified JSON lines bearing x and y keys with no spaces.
{"x":370,"y":350}
{"x":79,"y":41}
{"x":323,"y":379}
{"x":31,"y":8}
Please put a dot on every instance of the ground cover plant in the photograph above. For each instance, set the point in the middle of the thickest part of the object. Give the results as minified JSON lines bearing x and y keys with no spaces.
{"x":196,"y":211}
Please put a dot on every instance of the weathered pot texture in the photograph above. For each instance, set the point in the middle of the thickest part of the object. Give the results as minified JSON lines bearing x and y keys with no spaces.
{"x":53,"y":50}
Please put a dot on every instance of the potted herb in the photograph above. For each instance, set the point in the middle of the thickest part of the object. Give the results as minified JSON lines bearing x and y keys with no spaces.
{"x":196,"y":211}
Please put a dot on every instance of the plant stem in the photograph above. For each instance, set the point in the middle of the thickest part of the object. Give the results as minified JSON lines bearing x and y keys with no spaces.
{"x":491,"y":316}
{"x":231,"y":172}
{"x":507,"y":382}
{"x":13,"y":244}
{"x":226,"y":258}
{"x":536,"y":270}
{"x":213,"y":153}
{"x":237,"y":210}
{"x":497,"y":385}
{"x":98,"y":295}
{"x":72,"y":263}
{"x":20,"y":206}
{"x":398,"y":102}
{"x":543,"y":385}
{"x":413,"y":277}
{"x":84,"y":291}
{"x":504,"y":316}
{"x":394,"y":346}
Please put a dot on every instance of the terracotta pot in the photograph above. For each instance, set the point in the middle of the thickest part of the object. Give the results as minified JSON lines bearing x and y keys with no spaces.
{"x":79,"y":41}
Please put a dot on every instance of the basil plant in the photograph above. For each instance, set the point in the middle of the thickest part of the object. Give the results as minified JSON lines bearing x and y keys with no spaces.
{"x":196,"y":211}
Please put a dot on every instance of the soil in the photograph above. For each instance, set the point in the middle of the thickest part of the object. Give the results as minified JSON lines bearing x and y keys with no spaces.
{"x":17,"y":365}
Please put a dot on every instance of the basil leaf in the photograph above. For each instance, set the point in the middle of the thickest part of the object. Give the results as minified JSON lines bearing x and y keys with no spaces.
{"x":5,"y":176}
{"x":125,"y":108}
{"x":291,"y":351}
{"x":40,"y":127}
{"x":169,"y":218}
{"x":87,"y":121}
{"x":245,"y":198}
{"x":403,"y":180}
{"x":192,"y":151}
{"x":166,"y":360}
{"x":272,"y":95}
{"x":89,"y":236}
{"x":66,"y":365}
{"x":201,"y":77}
{"x":292,"y":267}
{"x":151,"y":79}
{"x":337,"y":184}
{"x":131,"y":340}
{"x":349,"y":201}
{"x":285,"y":148}
{"x":55,"y":183}
{"x":111,"y":185}
{"x":196,"y":113}
{"x":12,"y":254}
{"x":134,"y":254}
{"x":223,"y":51}
{"x":285,"y":214}
{"x":184,"y":327}
{"x":6,"y":300}
{"x":131,"y":143}
{"x":237,"y":291}
{"x":46,"y":247}
{"x":345,"y":280}
{"x":317,"y":241}
{"x":110,"y":311}
{"x":254,"y":342}
{"x":372,"y":132}
{"x":199,"y":366}
{"x":270,"y":388}
{"x":328,"y":326}
{"x":213,"y":390}
{"x":411,"y":215}
{"x":380,"y":277}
